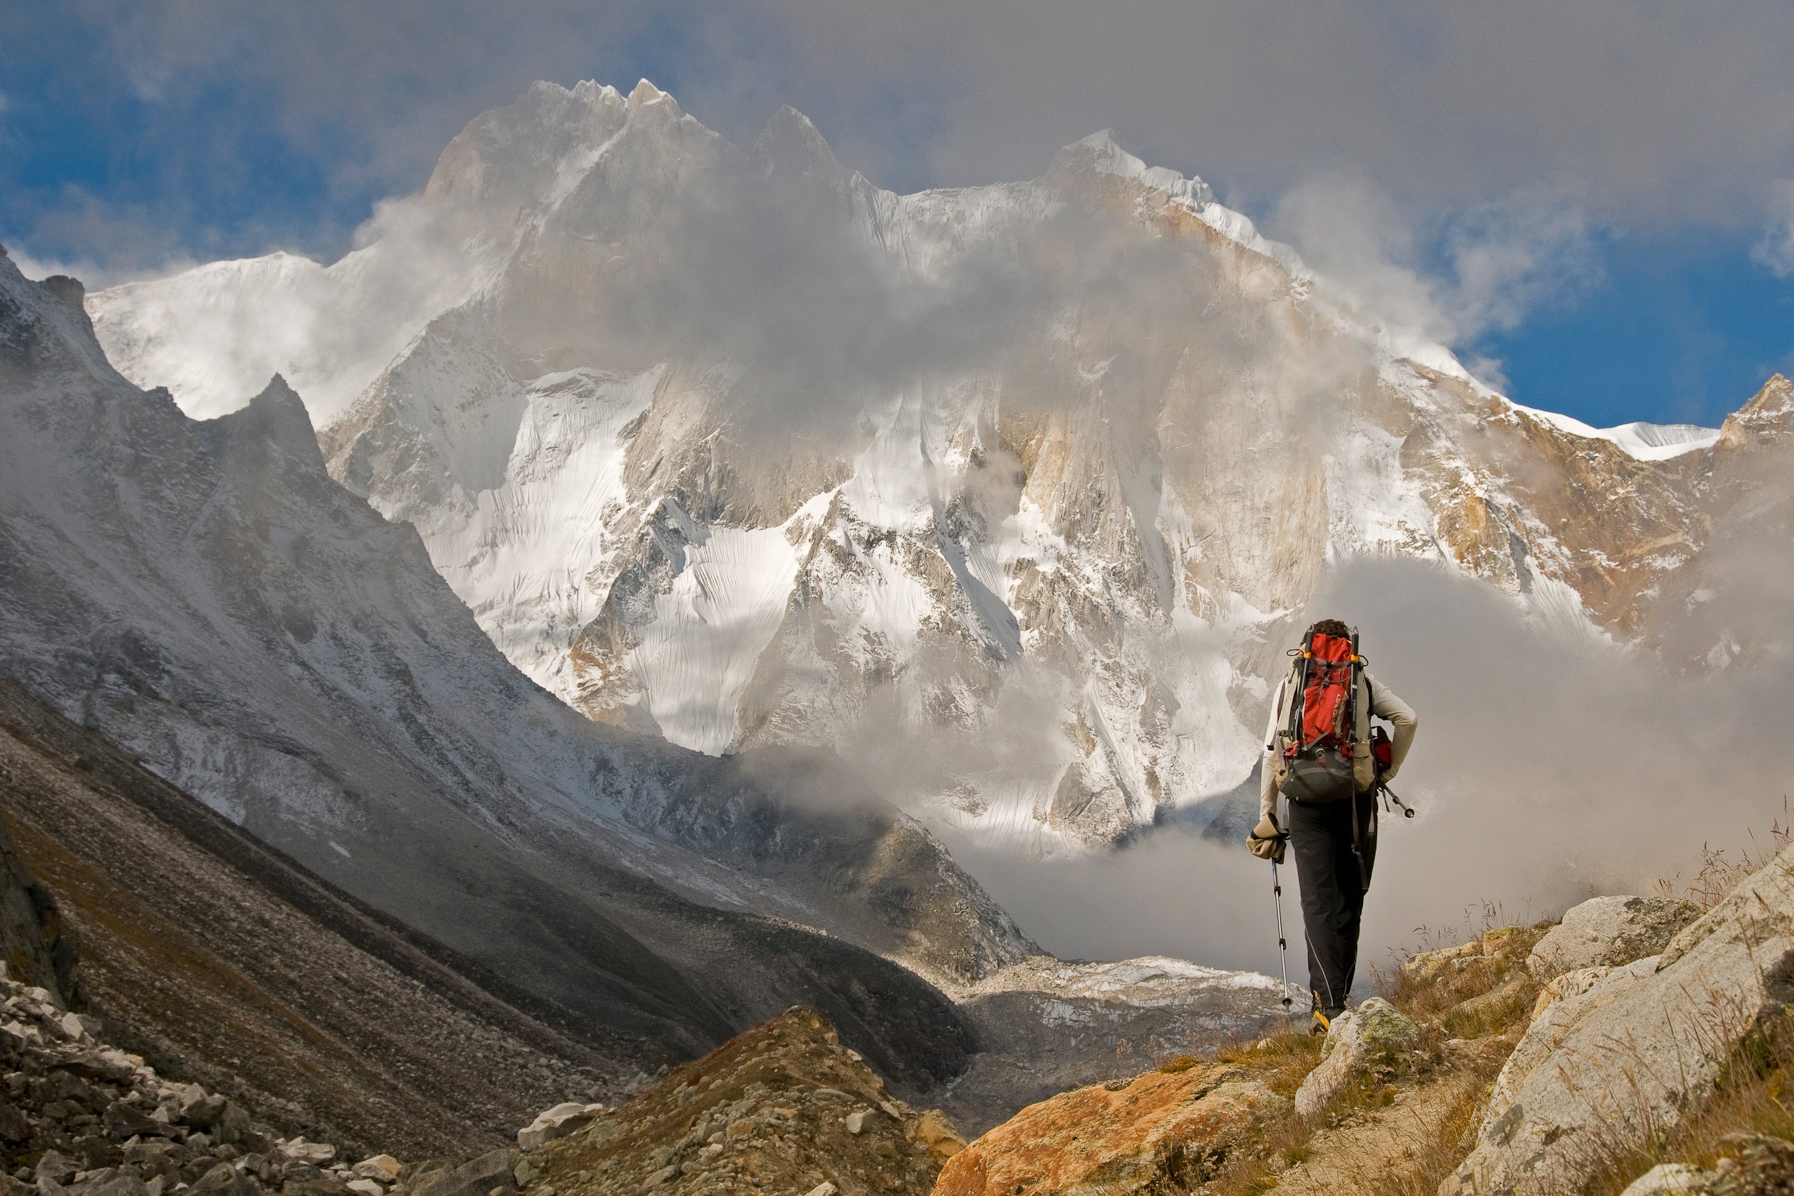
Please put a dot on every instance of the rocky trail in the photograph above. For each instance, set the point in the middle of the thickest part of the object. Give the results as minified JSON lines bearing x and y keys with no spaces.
{"x":1382,"y":1144}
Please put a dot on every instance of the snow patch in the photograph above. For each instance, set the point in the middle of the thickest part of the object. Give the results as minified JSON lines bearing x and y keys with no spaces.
{"x":1646,"y":442}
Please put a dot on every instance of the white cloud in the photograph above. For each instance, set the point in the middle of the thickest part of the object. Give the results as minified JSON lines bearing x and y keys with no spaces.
{"x":1480,"y":270}
{"x":1776,"y":249}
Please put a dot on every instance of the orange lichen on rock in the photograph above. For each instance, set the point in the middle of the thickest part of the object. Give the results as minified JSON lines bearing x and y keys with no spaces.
{"x":1161,"y":1131}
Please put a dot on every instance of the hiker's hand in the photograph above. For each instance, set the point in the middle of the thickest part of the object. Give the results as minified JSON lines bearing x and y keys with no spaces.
{"x":1267,"y":840}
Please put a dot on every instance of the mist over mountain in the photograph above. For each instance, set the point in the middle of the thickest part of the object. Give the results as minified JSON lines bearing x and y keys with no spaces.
{"x":1011,"y":495}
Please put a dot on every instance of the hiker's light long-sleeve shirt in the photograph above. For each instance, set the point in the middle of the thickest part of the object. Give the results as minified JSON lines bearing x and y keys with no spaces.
{"x":1383,"y":703}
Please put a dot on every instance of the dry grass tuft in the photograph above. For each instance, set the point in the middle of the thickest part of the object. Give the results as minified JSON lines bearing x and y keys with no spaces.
{"x":1279,"y":1061}
{"x":1720,"y":873}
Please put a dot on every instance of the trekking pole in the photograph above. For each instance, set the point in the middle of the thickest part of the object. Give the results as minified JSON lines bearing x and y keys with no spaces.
{"x":1404,"y":807}
{"x":1282,"y":942}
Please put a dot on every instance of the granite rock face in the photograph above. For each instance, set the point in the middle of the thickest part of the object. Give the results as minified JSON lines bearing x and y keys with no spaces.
{"x":1609,"y":932}
{"x":1602,"y":1068}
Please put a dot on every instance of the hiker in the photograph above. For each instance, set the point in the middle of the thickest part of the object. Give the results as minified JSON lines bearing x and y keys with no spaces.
{"x":1323,"y":756}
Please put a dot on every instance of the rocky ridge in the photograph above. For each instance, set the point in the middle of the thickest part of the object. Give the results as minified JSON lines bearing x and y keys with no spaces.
{"x":782,"y":1108}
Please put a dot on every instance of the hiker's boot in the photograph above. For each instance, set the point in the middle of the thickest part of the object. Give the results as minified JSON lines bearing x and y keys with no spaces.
{"x":1323,"y":1020}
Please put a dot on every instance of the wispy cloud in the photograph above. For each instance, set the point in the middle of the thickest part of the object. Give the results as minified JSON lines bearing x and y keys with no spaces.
{"x":1476,"y":271}
{"x":1775,"y":251}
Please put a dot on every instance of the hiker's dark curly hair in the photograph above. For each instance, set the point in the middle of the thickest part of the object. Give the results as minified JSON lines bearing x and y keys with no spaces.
{"x":1331,"y":627}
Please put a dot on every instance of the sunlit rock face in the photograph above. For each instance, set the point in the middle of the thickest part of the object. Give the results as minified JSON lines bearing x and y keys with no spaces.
{"x":1010,"y":494}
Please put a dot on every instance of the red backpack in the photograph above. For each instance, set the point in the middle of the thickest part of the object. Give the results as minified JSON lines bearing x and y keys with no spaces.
{"x":1323,"y":741}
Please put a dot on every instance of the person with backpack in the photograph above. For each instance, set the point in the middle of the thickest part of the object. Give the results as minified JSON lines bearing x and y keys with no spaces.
{"x":1327,"y":761}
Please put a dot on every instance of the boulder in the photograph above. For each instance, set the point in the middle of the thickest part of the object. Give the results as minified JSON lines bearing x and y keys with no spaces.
{"x":123,"y":1121}
{"x":381,"y":1167}
{"x":116,"y":1185}
{"x":938,"y":1134}
{"x":1600,"y":1070}
{"x":1672,"y":1179}
{"x":225,"y":1180}
{"x":1159,"y":1132}
{"x":1610,"y":932}
{"x":1374,"y":1037}
{"x":558,"y":1122}
{"x":476,"y":1177}
{"x":1429,"y":965}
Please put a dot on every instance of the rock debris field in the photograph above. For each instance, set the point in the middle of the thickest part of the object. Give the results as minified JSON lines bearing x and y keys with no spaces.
{"x":783,"y":1108}
{"x":99,"y":1121}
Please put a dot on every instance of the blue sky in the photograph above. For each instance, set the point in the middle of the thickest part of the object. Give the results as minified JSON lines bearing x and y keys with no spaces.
{"x":1642,"y":286}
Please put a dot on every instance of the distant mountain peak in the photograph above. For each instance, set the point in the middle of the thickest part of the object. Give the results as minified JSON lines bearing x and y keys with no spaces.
{"x":1104,"y":153}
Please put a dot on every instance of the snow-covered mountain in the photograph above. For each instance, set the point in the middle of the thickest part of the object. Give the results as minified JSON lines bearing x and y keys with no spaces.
{"x":206,"y":596}
{"x":1008,"y":493}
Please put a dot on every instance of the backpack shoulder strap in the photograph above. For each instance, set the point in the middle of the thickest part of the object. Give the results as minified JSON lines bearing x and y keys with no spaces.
{"x":1289,"y":713}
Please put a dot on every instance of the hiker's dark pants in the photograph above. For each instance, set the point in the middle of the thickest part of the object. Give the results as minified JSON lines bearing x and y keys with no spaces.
{"x":1332,"y":888}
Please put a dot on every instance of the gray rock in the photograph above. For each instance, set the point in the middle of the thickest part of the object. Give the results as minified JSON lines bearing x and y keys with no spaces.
{"x":124,"y":1121}
{"x":115,"y":1185}
{"x":32,"y":946}
{"x":566,"y":1118}
{"x":14,"y":1127}
{"x":233,"y":1123}
{"x":381,"y":1167}
{"x":203,"y":1111}
{"x":1610,"y":932}
{"x":1672,"y":1179}
{"x":1598,"y":1071}
{"x":1374,"y":1036}
{"x":1570,"y":984}
{"x":55,"y":1168}
{"x":476,"y":1177}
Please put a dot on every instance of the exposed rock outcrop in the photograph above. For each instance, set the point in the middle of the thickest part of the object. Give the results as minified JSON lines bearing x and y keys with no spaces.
{"x":1375,"y":1038}
{"x":1601,"y":1069}
{"x":36,"y":948}
{"x":1164,"y":1131}
{"x":1609,"y":932}
{"x":783,"y":1107}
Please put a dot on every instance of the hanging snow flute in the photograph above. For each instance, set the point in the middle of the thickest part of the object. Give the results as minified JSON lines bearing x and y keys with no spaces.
{"x":1324,"y":750}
